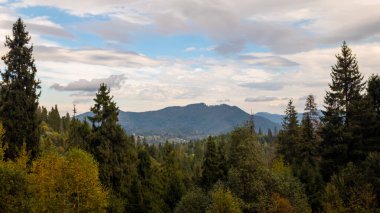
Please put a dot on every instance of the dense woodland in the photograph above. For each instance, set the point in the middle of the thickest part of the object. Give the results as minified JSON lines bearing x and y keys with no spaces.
{"x":55,"y":163}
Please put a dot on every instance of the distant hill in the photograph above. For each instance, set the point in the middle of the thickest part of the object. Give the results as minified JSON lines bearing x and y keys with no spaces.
{"x":277,"y":118}
{"x":189,"y":122}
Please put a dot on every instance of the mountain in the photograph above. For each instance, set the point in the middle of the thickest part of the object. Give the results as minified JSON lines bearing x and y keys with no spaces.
{"x":277,"y":118}
{"x":189,"y":122}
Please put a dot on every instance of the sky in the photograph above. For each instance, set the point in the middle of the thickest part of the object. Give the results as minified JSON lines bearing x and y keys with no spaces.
{"x":253,"y":54}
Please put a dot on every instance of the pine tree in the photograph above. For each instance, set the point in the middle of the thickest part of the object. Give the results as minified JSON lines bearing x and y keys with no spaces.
{"x":343,"y":112}
{"x":370,"y":123}
{"x":42,"y":113}
{"x":307,"y":166}
{"x":288,"y":138}
{"x":105,"y":110}
{"x":210,"y":168}
{"x":65,"y":120}
{"x":174,"y":187}
{"x":346,"y":84}
{"x":309,"y":147}
{"x":148,"y":186}
{"x":79,"y":134}
{"x":54,"y":119}
{"x":20,"y":93}
{"x":373,"y":92}
{"x":247,"y":176}
{"x":113,"y":149}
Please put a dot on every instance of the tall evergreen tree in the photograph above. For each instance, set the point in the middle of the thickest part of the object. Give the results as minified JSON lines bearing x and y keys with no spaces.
{"x":309,"y":147}
{"x":113,"y":149}
{"x":54,"y":119}
{"x":79,"y":134}
{"x":307,"y":166}
{"x":174,"y":187}
{"x":19,"y":93}
{"x":370,"y":125}
{"x":105,"y":110}
{"x":210,"y":169}
{"x":42,"y":113}
{"x":373,"y":93}
{"x":288,"y":138}
{"x":343,"y":111}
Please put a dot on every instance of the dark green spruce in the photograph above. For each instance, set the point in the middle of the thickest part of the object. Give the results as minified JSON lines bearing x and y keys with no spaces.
{"x":114,"y":151}
{"x":19,"y":94}
{"x":342,"y":116}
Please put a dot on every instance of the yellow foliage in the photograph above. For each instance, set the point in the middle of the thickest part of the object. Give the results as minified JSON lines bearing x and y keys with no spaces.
{"x":278,"y":166}
{"x":66,"y":183}
{"x":3,"y":147}
{"x":222,"y":200}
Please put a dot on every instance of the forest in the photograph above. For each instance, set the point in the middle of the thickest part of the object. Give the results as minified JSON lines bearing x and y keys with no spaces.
{"x":55,"y":163}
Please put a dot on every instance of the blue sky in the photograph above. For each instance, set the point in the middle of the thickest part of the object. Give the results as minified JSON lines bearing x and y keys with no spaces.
{"x":157,"y":53}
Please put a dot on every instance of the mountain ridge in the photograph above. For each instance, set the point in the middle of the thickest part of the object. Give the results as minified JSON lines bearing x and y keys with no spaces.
{"x":189,"y":122}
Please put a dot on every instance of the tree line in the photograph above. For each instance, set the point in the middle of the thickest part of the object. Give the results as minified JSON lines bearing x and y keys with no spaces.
{"x":51,"y":163}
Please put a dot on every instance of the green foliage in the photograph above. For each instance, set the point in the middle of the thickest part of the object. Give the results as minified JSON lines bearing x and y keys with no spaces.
{"x":373,"y":92}
{"x":79,"y":134}
{"x":147,"y":186}
{"x":307,"y":165}
{"x":174,"y":187}
{"x":213,"y":165}
{"x":247,"y":177}
{"x":54,"y":119}
{"x":288,"y":188}
{"x":349,"y":191}
{"x":194,"y":201}
{"x":371,"y":122}
{"x":257,"y":185}
{"x":19,"y":94}
{"x":13,"y":187}
{"x":42,"y":113}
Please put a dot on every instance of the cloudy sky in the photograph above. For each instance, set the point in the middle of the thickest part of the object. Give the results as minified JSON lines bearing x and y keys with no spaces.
{"x":254,"y":54}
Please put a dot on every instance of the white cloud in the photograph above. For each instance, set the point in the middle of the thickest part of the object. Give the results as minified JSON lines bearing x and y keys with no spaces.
{"x":190,"y":49}
{"x":114,"y":81}
{"x":174,"y":81}
{"x":264,"y":99}
{"x":302,"y":38}
{"x":294,"y":26}
{"x":111,"y":58}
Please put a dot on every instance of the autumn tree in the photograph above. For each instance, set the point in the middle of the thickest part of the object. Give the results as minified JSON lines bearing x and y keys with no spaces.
{"x":67,"y":182}
{"x":222,"y":200}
